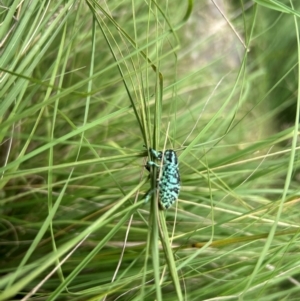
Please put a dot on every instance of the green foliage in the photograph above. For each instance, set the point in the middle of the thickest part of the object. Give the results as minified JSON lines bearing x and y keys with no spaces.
{"x":84,"y":85}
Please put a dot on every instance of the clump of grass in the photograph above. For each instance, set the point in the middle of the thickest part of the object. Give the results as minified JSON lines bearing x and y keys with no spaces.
{"x":83,"y":87}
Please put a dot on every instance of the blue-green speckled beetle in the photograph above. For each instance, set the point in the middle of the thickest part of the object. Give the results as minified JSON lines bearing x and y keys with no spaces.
{"x":168,"y":184}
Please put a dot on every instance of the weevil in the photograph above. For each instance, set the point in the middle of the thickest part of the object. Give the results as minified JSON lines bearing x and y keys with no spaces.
{"x":168,"y":185}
